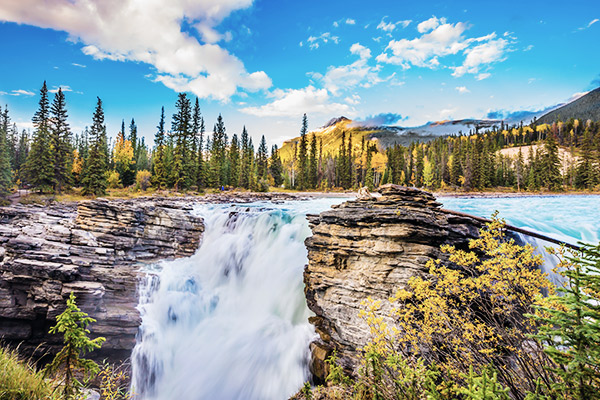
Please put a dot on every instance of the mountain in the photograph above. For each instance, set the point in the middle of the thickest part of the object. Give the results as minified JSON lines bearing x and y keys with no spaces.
{"x":584,"y":108}
{"x":384,"y":136}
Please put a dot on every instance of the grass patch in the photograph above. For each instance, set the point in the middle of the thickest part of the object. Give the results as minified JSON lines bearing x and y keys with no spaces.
{"x":19,"y":380}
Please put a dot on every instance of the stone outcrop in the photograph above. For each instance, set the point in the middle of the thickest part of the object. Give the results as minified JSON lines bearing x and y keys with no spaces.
{"x":370,"y":247}
{"x":93,"y":249}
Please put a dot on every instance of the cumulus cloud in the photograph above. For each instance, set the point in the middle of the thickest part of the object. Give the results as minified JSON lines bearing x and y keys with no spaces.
{"x":430,"y":24}
{"x":379,"y":120}
{"x":462,"y":89}
{"x":150,"y":32}
{"x":315,"y":41}
{"x":440,"y":38}
{"x":391,"y":26}
{"x":483,"y":54}
{"x":294,"y":102}
{"x":350,"y":21}
{"x":344,"y":77}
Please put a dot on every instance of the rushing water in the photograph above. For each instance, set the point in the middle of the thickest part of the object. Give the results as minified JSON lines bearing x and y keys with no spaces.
{"x":230,"y":322}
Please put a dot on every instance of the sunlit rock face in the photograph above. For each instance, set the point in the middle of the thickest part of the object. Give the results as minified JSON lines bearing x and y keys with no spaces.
{"x":92,"y":249}
{"x":370,"y":247}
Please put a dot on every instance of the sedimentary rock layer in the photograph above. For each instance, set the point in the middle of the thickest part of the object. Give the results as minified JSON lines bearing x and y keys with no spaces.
{"x":93,"y":249}
{"x":370,"y":247}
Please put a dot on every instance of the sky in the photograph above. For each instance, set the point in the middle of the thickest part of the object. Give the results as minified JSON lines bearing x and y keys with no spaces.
{"x":264,"y":63}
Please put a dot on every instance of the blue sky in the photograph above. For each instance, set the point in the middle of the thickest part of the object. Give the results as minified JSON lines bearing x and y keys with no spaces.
{"x":264,"y":63}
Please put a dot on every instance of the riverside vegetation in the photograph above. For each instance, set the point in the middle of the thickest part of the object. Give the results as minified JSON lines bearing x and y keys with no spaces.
{"x":485,"y":324}
{"x":187,"y":157}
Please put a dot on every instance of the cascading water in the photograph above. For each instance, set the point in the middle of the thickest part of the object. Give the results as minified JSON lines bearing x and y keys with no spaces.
{"x":230,"y":322}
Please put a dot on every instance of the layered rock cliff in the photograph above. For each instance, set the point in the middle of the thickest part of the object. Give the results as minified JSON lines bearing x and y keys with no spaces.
{"x":370,"y":247}
{"x":93,"y":249}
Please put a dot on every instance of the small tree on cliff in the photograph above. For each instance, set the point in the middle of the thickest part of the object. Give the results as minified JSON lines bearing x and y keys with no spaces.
{"x":72,"y":323}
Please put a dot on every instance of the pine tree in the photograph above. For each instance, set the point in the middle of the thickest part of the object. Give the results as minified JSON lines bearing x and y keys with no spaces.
{"x":302,"y":155}
{"x":218,"y":154}
{"x":181,"y":127}
{"x":133,"y":138}
{"x":276,"y":167}
{"x":246,"y":162}
{"x":194,"y":159}
{"x":519,"y":169}
{"x":60,"y":142}
{"x":262,"y":159}
{"x":94,"y":180}
{"x":551,"y":164}
{"x":5,"y":170}
{"x":312,"y":163}
{"x":200,"y":164}
{"x":159,"y":175}
{"x":39,"y":166}
{"x":234,"y":162}
{"x":585,"y":176}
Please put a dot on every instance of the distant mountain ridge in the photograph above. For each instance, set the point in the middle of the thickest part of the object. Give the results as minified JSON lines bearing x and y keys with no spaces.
{"x":584,"y":108}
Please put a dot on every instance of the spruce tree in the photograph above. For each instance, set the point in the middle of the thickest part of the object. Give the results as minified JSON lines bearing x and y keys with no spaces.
{"x":60,"y":142}
{"x":194,"y":159}
{"x":234,"y":162}
{"x":276,"y":167}
{"x":262,"y":159}
{"x":159,"y":175}
{"x":246,"y":162}
{"x":94,"y":180}
{"x":5,"y":170}
{"x":181,"y":127}
{"x":551,"y":164}
{"x":200,"y":163}
{"x":218,"y":154}
{"x":312,"y":163}
{"x":133,"y":138}
{"x":303,"y":155}
{"x":585,"y":176}
{"x":39,"y":166}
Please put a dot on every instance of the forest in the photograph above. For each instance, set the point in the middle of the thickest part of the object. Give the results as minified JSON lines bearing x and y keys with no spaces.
{"x":564,"y":155}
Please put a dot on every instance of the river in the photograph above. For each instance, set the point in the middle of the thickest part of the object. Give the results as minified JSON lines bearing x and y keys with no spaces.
{"x":231,"y":322}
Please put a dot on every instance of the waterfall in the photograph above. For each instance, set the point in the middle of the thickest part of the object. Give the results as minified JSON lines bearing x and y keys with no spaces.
{"x":230,"y":322}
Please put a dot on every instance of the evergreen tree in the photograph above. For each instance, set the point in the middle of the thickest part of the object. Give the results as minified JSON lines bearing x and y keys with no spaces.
{"x":123,"y":158}
{"x":143,"y":161}
{"x":195,"y":159}
{"x":94,"y":180}
{"x":159,"y":175}
{"x":181,"y":127}
{"x":218,"y":154}
{"x":302,"y":155}
{"x":39,"y":166}
{"x":585,"y":176}
{"x":133,"y":138}
{"x":21,"y":154}
{"x":519,"y":169}
{"x":200,"y":164}
{"x":276,"y":166}
{"x":5,"y":170}
{"x":234,"y":162}
{"x":551,"y":164}
{"x":262,"y":159}
{"x":246,"y":161}
{"x":60,"y":142}
{"x":312,"y":163}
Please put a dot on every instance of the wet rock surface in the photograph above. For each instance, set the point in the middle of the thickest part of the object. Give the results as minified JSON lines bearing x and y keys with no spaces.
{"x":370,"y":247}
{"x":94,"y":249}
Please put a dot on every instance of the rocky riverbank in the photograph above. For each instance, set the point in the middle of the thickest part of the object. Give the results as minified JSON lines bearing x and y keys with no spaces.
{"x":94,"y":249}
{"x":370,"y":247}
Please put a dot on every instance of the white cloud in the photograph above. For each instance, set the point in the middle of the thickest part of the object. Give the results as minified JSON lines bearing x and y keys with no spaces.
{"x":79,"y":65}
{"x":528,"y":48}
{"x":150,"y":32}
{"x":353,"y":100}
{"x":483,"y":76}
{"x":389,"y":27}
{"x":315,"y":41}
{"x":423,"y":51}
{"x":430,"y":24}
{"x":18,"y":92}
{"x":592,"y":22}
{"x":350,"y":21}
{"x":65,"y":88}
{"x":440,"y":39}
{"x":483,"y":54}
{"x":447,"y":113}
{"x":295,"y":102}
{"x":336,"y":24}
{"x":360,"y":50}
{"x":462,"y":89}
